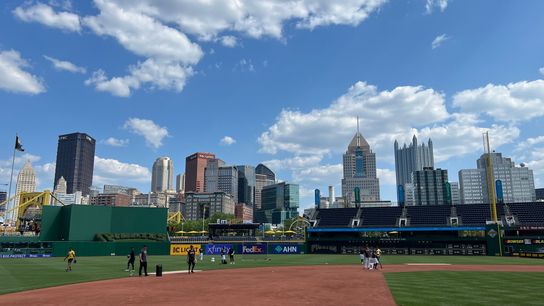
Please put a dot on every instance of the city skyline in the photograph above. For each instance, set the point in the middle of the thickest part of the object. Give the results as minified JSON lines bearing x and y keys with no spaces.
{"x":290,"y":111}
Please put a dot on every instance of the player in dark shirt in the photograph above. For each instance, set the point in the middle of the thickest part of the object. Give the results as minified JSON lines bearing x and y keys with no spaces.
{"x":131,"y":260}
{"x":191,"y":259}
{"x":231,"y":255}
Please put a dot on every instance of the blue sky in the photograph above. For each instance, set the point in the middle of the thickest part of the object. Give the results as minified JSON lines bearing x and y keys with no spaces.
{"x":282,"y":83}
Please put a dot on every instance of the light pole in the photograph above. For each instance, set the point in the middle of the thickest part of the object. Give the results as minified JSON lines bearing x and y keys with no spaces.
{"x":203,"y":215}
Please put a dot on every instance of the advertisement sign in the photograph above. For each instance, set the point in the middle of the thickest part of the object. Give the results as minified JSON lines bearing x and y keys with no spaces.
{"x":254,"y":249}
{"x":25,"y":255}
{"x":286,"y":249}
{"x":215,"y":249}
{"x":181,"y":249}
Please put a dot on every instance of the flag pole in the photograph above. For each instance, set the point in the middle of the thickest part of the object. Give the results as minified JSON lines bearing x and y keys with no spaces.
{"x":11,"y":181}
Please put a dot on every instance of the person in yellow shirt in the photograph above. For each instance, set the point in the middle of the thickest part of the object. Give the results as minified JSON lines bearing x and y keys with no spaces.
{"x":71,"y":256}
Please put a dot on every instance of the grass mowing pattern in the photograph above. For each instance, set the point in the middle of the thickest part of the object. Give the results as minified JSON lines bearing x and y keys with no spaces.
{"x":466,"y":288}
{"x":25,"y":274}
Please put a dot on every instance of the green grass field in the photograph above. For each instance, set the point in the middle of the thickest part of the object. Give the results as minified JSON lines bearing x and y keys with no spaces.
{"x":462,"y":288}
{"x":466,"y":288}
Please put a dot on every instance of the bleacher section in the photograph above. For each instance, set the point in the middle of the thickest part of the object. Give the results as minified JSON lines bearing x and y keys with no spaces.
{"x":380,"y":216}
{"x":336,"y":217}
{"x":426,"y":215}
{"x":528,"y":213}
{"x":469,"y":215}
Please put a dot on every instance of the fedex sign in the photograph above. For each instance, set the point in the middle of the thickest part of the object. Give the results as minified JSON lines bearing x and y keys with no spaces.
{"x":254,"y":249}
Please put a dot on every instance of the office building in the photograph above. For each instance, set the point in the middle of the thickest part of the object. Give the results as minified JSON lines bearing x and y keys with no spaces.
{"x":195,"y":166}
{"x":263,"y":177}
{"x":69,"y":198}
{"x":431,"y":187}
{"x":279,"y":203}
{"x":517,"y":182}
{"x":409,"y":159}
{"x":75,"y":162}
{"x":244,"y":212}
{"x":246,"y":184}
{"x":455,"y":193}
{"x":120,"y":189}
{"x":153,"y":199}
{"x":218,"y":177}
{"x":211,"y":174}
{"x":61,"y":186}
{"x":359,"y":165}
{"x":539,"y":193}
{"x":26,"y":182}
{"x":111,"y":199}
{"x":3,"y":197}
{"x":162,"y":177}
{"x":471,"y":186}
{"x":180,"y":183}
{"x":205,"y":205}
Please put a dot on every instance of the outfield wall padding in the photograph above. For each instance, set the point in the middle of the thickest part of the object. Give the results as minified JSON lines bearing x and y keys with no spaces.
{"x":83,"y":222}
{"x":91,"y":248}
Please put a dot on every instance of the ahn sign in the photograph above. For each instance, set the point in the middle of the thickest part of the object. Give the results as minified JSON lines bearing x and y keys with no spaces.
{"x":286,"y":249}
{"x":254,"y":249}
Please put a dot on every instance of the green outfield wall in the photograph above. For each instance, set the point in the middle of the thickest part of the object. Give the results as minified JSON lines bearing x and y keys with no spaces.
{"x":83,"y":222}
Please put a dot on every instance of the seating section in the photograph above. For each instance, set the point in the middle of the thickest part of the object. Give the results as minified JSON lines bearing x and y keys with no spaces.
{"x":469,"y":215}
{"x":528,"y":213}
{"x":339,"y":217}
{"x":380,"y":216}
{"x":429,"y":215}
{"x":474,"y":214}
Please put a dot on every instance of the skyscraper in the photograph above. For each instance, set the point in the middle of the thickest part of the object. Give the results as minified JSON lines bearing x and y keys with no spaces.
{"x":431,"y":187}
{"x":180,"y":183}
{"x":517,"y":182}
{"x":409,"y":159}
{"x":195,"y":166}
{"x":279,"y":202}
{"x":263,"y":177}
{"x":75,"y":162}
{"x":26,"y":182}
{"x":246,"y":184}
{"x":471,"y":186}
{"x":359,"y":163}
{"x":218,"y":177}
{"x":162,"y":178}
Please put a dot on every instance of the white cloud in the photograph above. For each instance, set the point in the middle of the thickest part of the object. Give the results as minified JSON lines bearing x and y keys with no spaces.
{"x":296,"y":162}
{"x":407,"y":110}
{"x":227,"y":141}
{"x":439,"y":40}
{"x":114,"y":142}
{"x":253,"y":18}
{"x":44,"y":14}
{"x":228,"y":41}
{"x":169,"y":52}
{"x":541,"y":70}
{"x":156,"y":31}
{"x":322,"y":131}
{"x":431,"y":4}
{"x":12,"y":76}
{"x":112,"y":171}
{"x":512,"y":102}
{"x":386,"y":176}
{"x":244,"y":65}
{"x":152,"y":132}
{"x":65,"y":65}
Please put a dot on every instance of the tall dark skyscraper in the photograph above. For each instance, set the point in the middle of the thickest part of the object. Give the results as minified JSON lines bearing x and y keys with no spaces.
{"x":246,"y":184}
{"x":75,"y":162}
